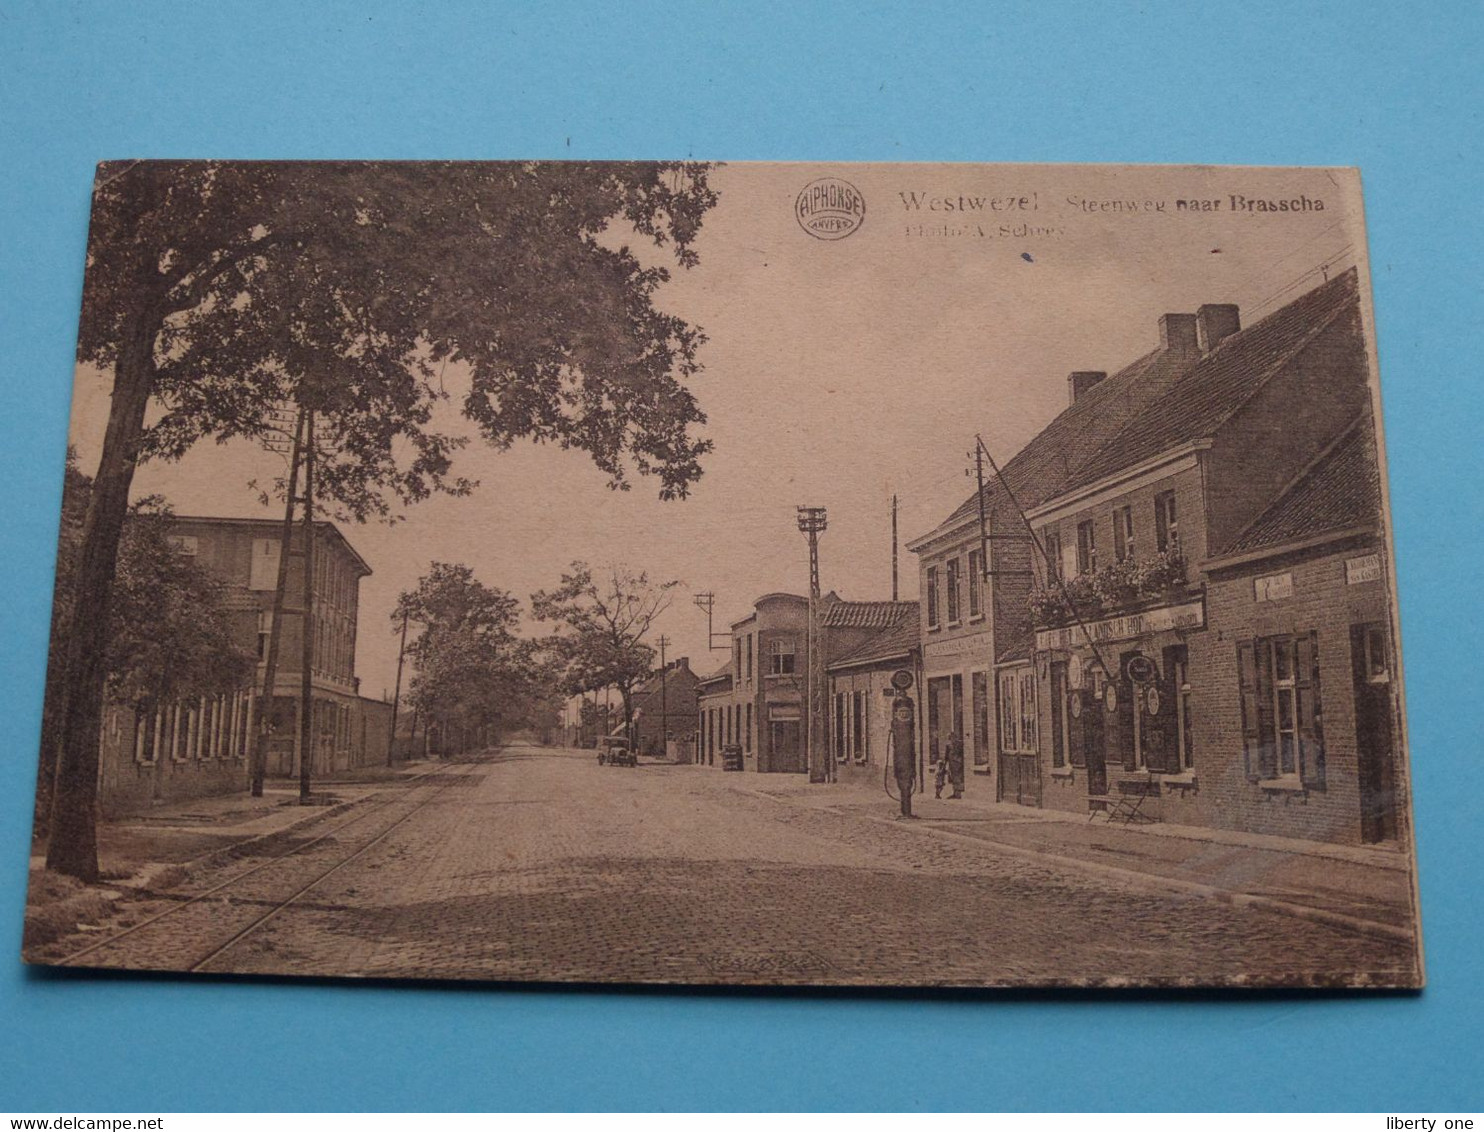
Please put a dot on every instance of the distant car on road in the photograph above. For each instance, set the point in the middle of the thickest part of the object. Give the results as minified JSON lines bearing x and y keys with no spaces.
{"x":616,"y":752}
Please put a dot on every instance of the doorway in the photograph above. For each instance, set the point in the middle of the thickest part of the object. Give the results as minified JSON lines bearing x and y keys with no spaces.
{"x":1370,"y":647}
{"x":785,"y":748}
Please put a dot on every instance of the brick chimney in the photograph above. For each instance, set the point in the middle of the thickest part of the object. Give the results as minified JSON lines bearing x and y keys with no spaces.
{"x":1081,"y":381}
{"x":1177,"y":332}
{"x":1216,"y":322}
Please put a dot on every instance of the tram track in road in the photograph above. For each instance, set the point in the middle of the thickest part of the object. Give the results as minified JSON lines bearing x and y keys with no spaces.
{"x":229,"y":895}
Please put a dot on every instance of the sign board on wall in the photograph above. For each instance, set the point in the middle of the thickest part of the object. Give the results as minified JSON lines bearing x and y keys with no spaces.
{"x":1273,"y":587}
{"x":1187,"y":615}
{"x":1366,"y":568}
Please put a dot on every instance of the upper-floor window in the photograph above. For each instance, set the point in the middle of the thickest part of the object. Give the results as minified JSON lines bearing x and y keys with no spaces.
{"x":1051,"y":544}
{"x":1087,"y":548}
{"x":976,"y":584}
{"x":781,"y":653}
{"x":1166,"y":522}
{"x":1123,"y":533}
{"x":263,"y":573}
{"x":932,"y":597}
{"x":737,"y":649}
{"x":953,"y":598}
{"x":748,"y":668}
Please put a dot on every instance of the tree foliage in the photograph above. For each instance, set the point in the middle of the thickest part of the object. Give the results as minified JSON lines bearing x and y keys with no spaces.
{"x":216,"y":292}
{"x":602,"y":620}
{"x":472,"y":674}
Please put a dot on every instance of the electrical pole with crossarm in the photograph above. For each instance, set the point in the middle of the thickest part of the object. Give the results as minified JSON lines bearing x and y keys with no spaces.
{"x":812,"y":522}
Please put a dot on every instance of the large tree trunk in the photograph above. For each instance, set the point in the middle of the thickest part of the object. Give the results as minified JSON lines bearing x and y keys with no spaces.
{"x":73,"y":846}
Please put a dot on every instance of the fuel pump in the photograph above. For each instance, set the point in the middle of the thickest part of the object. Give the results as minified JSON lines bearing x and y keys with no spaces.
{"x":902,"y":742}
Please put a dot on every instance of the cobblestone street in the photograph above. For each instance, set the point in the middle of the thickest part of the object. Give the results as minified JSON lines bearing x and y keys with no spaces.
{"x":543,"y":865}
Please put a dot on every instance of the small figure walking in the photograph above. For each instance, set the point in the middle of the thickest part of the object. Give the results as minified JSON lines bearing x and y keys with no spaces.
{"x":951,"y":765}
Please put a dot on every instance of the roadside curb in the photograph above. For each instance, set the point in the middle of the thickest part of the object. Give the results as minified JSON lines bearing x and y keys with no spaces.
{"x":1148,"y":881}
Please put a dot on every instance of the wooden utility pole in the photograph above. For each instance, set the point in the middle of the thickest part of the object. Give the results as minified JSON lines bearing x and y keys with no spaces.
{"x":391,"y":745}
{"x":664,"y":712}
{"x":813,"y":521}
{"x":275,"y":623}
{"x":306,"y":677}
{"x":893,"y":548}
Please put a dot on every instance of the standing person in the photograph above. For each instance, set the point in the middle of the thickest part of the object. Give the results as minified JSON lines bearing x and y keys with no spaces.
{"x":904,"y":753}
{"x":953,"y":763}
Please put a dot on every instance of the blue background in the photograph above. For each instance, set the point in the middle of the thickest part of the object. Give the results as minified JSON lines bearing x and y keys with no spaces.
{"x":1392,"y":88}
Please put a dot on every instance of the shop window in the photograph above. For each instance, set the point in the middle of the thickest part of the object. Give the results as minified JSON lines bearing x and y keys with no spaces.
{"x":976,"y":584}
{"x":781,"y":656}
{"x":1087,"y":547}
{"x":1282,"y":720}
{"x":932,"y":597}
{"x":953,"y":587}
{"x":1123,"y":533}
{"x":1166,"y":523}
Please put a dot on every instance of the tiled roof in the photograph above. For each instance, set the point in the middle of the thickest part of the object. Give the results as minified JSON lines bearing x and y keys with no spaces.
{"x":893,"y":641}
{"x":1339,"y":491}
{"x":722,"y":673}
{"x":1224,"y":380}
{"x":1038,"y":470}
{"x":863,"y":614}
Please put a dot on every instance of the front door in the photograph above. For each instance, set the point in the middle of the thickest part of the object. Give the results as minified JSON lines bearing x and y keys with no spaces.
{"x":785,"y":746}
{"x":1374,"y":733}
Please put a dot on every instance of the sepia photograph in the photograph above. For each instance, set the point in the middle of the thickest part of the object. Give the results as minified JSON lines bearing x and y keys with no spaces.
{"x":745,"y":574}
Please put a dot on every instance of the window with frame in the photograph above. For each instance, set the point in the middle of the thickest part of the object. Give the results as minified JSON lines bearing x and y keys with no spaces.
{"x":1051,"y":544}
{"x":979,"y":704}
{"x":1087,"y":547}
{"x":1166,"y":523}
{"x":1123,"y":533}
{"x":748,"y":669}
{"x":1059,"y":720}
{"x":1018,"y":712}
{"x":858,"y":727}
{"x":976,"y":584}
{"x":951,"y":584}
{"x":781,"y":656}
{"x":263,"y":569}
{"x":1375,"y":656}
{"x":1282,"y":718}
{"x":747,"y":746}
{"x":839,"y":727}
{"x":932,"y":597}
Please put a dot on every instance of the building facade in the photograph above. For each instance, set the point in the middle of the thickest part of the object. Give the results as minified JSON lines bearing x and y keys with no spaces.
{"x":188,"y":749}
{"x":665,"y":711}
{"x":860,"y":692}
{"x":1183,"y":637}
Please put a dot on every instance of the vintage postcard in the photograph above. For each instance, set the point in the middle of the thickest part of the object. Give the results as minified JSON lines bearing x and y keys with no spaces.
{"x":670,"y":572}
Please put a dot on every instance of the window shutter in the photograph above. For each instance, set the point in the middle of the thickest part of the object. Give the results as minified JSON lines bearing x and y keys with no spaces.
{"x":1161,"y":525}
{"x":1310,"y":713}
{"x":1259,"y":755}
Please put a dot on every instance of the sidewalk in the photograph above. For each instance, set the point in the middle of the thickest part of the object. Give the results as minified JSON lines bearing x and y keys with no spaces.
{"x":1365,"y":888}
{"x":156,"y":849}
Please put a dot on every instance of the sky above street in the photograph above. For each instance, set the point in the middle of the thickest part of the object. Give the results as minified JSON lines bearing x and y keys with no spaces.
{"x":838,"y":373}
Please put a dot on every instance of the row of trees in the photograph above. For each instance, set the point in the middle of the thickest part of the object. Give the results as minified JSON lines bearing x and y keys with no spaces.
{"x":216,"y":293}
{"x":475,"y":676}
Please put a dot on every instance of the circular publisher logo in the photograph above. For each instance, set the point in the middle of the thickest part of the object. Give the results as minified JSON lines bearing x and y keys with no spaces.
{"x":829,"y":208}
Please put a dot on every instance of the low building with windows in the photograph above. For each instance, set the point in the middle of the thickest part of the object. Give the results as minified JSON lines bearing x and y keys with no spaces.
{"x":1307,"y":663}
{"x":759,"y":700}
{"x":859,"y":677}
{"x":190,"y":749}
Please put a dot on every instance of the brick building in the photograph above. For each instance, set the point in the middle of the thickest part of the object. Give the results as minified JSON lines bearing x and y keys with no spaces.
{"x":188,"y":749}
{"x":665,"y":709}
{"x":1206,"y":548}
